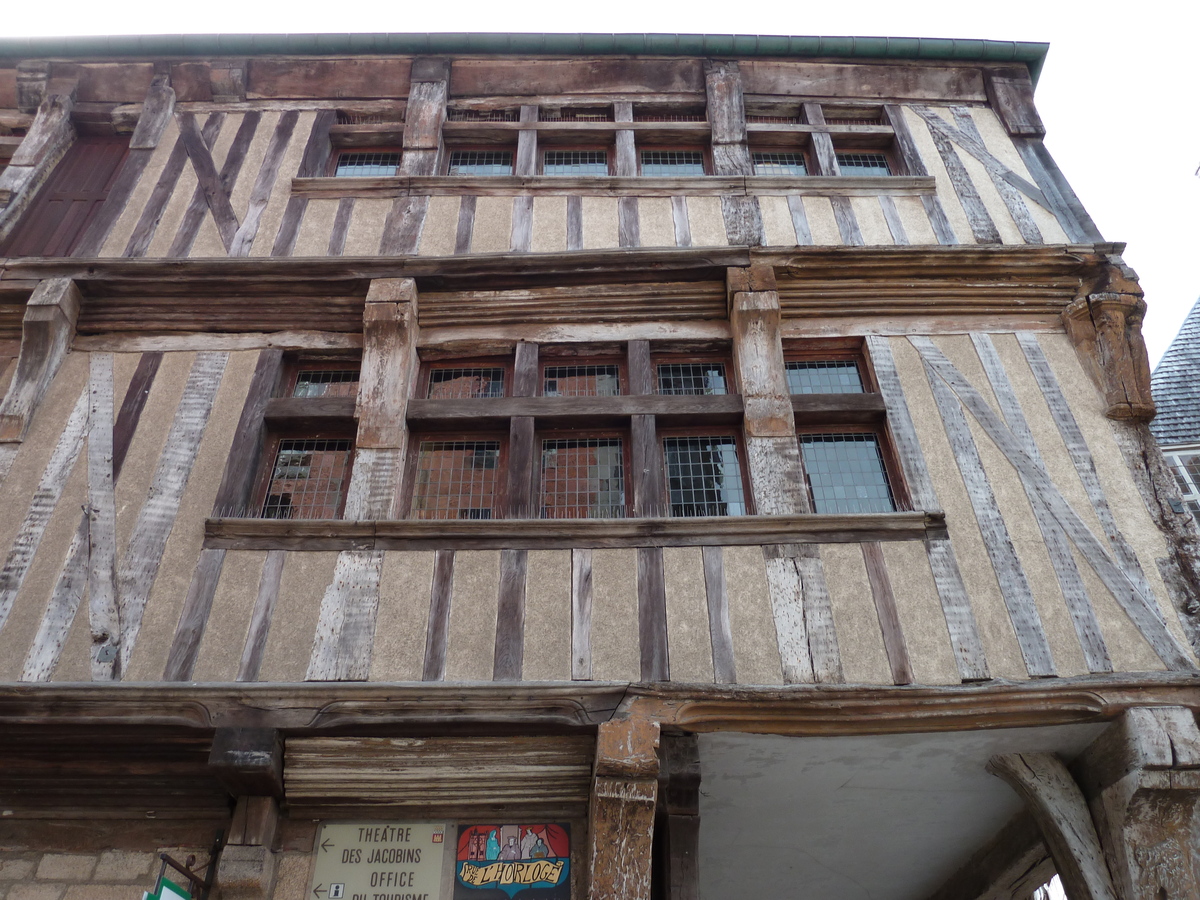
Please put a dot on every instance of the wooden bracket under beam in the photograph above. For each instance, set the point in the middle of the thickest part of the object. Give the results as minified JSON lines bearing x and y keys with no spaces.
{"x":248,"y":761}
{"x":46,"y":335}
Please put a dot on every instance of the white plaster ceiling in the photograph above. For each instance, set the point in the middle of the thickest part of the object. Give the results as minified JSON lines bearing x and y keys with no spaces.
{"x":854,"y":818}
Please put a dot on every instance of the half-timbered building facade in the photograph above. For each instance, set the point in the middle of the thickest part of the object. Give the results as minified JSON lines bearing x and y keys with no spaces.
{"x":576,"y":466}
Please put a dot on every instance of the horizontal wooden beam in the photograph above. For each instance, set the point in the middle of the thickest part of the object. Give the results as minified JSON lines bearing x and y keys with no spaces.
{"x":794,"y":265}
{"x":429,"y":709}
{"x":572,"y":411}
{"x":622,"y":186}
{"x":812,"y":410}
{"x":548,"y":534}
{"x":317,"y":413}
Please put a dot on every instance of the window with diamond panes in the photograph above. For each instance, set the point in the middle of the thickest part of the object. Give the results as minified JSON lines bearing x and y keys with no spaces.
{"x":575,"y":162}
{"x":846,"y":473}
{"x":581,"y":381}
{"x":456,"y":480}
{"x":704,"y":476}
{"x":691,"y":378}
{"x":824,"y":377}
{"x":480,"y":162}
{"x":1186,"y":467}
{"x":308,"y":479}
{"x":863,"y":164}
{"x":326,"y":383}
{"x":779,"y":164}
{"x":583,"y":478}
{"x":466,"y":383}
{"x":672,"y":162}
{"x":367,"y":164}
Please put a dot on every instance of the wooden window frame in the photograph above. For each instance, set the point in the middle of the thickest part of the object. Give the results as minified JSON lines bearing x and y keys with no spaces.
{"x":466,"y":362}
{"x":303,"y":418}
{"x":546,"y":145}
{"x":623,"y":434}
{"x":644,"y":145}
{"x":344,"y":150}
{"x":500,"y":493}
{"x":507,"y":145}
{"x":547,"y":359}
{"x":699,"y":358}
{"x":277,"y":436}
{"x":789,"y":145}
{"x":843,"y":422}
{"x":739,"y":439}
{"x":887,"y":452}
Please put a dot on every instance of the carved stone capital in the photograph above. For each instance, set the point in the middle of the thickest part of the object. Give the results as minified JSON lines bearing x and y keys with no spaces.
{"x":1106,"y":328}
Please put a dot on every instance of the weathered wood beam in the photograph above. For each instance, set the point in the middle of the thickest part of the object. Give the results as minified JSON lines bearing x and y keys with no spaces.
{"x":248,"y":760}
{"x":1058,"y":806}
{"x":799,"y":596}
{"x":46,"y":334}
{"x":809,"y":710}
{"x":48,"y":138}
{"x":621,"y":810}
{"x":534,"y":534}
{"x":1141,"y":778}
{"x":727,"y":184}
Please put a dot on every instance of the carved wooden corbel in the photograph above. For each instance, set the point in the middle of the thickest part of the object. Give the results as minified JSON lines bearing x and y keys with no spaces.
{"x":1106,"y":328}
{"x":1142,"y":781}
{"x":624,"y":795}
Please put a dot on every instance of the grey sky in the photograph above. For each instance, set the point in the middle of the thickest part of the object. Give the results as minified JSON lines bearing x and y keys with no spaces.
{"x":1119,"y":93}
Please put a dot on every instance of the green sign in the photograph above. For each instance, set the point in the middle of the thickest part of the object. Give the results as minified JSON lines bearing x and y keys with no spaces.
{"x":168,"y":890}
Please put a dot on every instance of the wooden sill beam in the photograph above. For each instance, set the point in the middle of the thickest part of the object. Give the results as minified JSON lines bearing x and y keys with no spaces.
{"x":976,"y":263}
{"x":432,"y":708}
{"x":811,"y":410}
{"x":614,"y":186}
{"x":551,"y":534}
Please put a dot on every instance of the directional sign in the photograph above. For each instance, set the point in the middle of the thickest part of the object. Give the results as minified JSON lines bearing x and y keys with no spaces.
{"x":379,"y":861}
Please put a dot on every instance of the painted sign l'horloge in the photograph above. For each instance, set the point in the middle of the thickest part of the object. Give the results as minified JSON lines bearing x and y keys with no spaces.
{"x":513,"y":862}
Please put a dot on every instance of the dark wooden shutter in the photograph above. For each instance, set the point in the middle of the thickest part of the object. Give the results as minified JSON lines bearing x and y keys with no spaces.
{"x":63,"y":209}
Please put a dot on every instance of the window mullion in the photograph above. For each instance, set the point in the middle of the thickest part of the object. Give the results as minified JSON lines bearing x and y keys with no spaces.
{"x":520,"y":502}
{"x":649,"y":477}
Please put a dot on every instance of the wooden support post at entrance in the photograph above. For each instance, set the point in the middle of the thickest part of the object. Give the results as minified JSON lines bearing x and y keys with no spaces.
{"x":624,"y":793}
{"x":249,"y":764}
{"x":679,"y":815}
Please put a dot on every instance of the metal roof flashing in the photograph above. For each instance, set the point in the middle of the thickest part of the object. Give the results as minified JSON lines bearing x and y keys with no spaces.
{"x":1031,"y":54}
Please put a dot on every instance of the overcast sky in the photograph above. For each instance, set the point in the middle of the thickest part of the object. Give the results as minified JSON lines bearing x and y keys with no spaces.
{"x":1120,"y":94}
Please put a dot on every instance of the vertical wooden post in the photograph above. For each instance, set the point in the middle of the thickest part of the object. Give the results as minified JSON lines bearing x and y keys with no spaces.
{"x":649,"y":499}
{"x":731,"y":154}
{"x":628,"y":225}
{"x":799,"y":597}
{"x":345,"y":633}
{"x":385,"y":380}
{"x":624,"y":794}
{"x":523,"y":458}
{"x":422,"y":142}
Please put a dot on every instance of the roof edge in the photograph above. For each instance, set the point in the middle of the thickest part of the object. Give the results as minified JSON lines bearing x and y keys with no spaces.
{"x":1032,"y":54}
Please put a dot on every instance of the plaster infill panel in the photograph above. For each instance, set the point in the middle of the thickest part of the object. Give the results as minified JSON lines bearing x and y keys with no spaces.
{"x":398,"y":651}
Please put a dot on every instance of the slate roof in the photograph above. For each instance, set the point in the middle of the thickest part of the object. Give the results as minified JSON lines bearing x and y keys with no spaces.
{"x":1176,"y":386}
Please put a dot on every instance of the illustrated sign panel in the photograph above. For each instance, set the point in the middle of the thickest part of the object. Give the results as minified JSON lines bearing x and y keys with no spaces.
{"x":513,"y":862}
{"x":378,"y":861}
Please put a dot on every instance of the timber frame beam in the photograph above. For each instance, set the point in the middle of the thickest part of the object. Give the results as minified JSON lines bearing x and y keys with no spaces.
{"x":849,"y":709}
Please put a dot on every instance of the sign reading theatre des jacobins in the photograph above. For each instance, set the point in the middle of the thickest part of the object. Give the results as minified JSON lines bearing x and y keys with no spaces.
{"x":513,"y":862}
